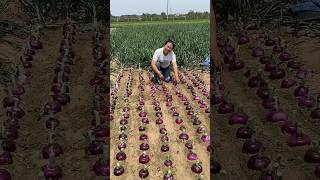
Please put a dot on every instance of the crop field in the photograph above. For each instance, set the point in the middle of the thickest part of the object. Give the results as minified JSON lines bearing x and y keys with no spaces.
{"x":136,"y":44}
{"x":266,"y":105}
{"x":159,"y":131}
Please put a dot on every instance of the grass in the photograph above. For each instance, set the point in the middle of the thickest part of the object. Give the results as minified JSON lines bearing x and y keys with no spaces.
{"x":139,"y":23}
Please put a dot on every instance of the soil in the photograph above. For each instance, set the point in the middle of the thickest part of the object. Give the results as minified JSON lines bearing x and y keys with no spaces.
{"x":177,"y":152}
{"x":228,"y":149}
{"x":75,"y":117}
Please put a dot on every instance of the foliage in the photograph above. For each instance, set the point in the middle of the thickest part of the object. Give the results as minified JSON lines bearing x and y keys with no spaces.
{"x":132,"y":45}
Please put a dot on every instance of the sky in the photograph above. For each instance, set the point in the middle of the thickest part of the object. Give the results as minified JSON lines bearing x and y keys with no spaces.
{"x":127,"y":7}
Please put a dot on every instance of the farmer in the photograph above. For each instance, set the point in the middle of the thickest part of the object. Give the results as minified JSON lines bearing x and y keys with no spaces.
{"x":161,"y":61}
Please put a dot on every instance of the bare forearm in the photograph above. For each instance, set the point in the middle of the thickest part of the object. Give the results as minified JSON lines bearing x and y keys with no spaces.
{"x":155,"y":68}
{"x":175,"y":70}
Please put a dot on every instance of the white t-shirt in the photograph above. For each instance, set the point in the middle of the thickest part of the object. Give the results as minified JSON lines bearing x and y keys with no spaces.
{"x":164,"y":60}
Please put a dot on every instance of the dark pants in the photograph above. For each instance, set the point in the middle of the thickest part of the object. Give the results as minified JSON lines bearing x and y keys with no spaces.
{"x":165,"y":72}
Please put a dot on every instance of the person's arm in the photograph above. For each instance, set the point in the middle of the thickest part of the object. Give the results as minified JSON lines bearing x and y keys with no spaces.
{"x":215,"y":54}
{"x":154,"y":65}
{"x":155,"y":68}
{"x":175,"y":70}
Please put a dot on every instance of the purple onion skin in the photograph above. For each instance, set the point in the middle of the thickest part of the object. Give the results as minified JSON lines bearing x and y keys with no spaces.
{"x":277,"y":73}
{"x":5,"y":158}
{"x":267,"y":103}
{"x":118,"y":171}
{"x":267,"y":176}
{"x":301,"y":91}
{"x":268,"y":67}
{"x":168,"y":162}
{"x":244,"y":132}
{"x":298,"y":140}
{"x":144,"y":146}
{"x":226,"y":108}
{"x":288,"y":83}
{"x":243,"y":40}
{"x":121,"y":156}
{"x":276,"y":116}
{"x":317,"y":171}
{"x":143,"y":173}
{"x":312,"y":155}
{"x":165,"y":148}
{"x":5,"y":175}
{"x":52,"y":173}
{"x":257,"y":52}
{"x":294,"y":64}
{"x":54,"y":148}
{"x":251,"y":146}
{"x":301,"y":74}
{"x":143,"y":159}
{"x":284,"y":56}
{"x":258,"y":162}
{"x":289,"y":127}
{"x":196,"y":168}
{"x":306,"y":101}
{"x":238,"y":119}
{"x":101,"y":168}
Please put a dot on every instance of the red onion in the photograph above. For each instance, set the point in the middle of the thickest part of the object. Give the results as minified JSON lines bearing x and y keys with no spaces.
{"x":102,"y":167}
{"x":251,"y":146}
{"x":168,"y":163}
{"x":205,"y":138}
{"x":225,"y":108}
{"x":317,"y":171}
{"x":4,"y":175}
{"x":258,"y":162}
{"x":144,"y":158}
{"x":215,"y":167}
{"x":243,"y":40}
{"x":121,"y":156}
{"x":197,"y":168}
{"x":165,"y":148}
{"x":53,"y":149}
{"x":277,"y":73}
{"x":312,"y":155}
{"x":5,"y":158}
{"x":238,"y":118}
{"x":288,"y":83}
{"x":269,"y":42}
{"x":168,"y":175}
{"x":301,"y":91}
{"x":257,"y":52}
{"x":159,"y":121}
{"x":284,"y":56}
{"x":244,"y":132}
{"x":118,"y":170}
{"x":289,"y":127}
{"x":192,"y":156}
{"x":306,"y":101}
{"x":268,"y":103}
{"x":298,"y":139}
{"x":301,"y":74}
{"x":143,"y":173}
{"x":294,"y":64}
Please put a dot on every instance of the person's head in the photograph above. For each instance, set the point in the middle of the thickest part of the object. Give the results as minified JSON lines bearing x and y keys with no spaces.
{"x":168,"y":46}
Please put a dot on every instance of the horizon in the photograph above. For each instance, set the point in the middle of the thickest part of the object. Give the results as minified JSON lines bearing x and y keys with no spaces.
{"x":157,"y":7}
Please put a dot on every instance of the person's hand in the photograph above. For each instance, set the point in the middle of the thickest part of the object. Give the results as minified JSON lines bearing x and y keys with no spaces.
{"x":178,"y":80}
{"x":161,"y":77}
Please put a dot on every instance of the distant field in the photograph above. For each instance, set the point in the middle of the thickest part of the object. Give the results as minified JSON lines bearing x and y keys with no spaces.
{"x":135,"y":44}
{"x":124,"y":24}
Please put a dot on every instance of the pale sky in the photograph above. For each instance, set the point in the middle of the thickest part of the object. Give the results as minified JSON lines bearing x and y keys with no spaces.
{"x":127,"y":7}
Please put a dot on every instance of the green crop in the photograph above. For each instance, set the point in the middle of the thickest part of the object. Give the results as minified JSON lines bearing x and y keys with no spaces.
{"x":132,"y":45}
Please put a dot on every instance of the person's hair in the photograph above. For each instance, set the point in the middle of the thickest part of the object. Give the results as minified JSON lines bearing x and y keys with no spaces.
{"x":169,"y":41}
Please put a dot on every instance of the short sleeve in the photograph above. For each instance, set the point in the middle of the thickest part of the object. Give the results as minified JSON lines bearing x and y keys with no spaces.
{"x":156,"y":55}
{"x":173,"y":57}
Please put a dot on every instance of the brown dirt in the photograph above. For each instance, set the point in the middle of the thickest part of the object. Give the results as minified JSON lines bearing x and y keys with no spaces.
{"x":75,"y":117}
{"x":177,"y":150}
{"x":228,"y":150}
